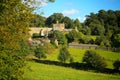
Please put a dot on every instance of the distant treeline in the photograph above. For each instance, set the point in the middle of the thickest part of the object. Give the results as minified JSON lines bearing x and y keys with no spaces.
{"x":104,"y":24}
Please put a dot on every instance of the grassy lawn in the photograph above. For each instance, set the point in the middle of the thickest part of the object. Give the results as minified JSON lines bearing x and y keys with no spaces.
{"x":38,"y":71}
{"x":78,"y":54}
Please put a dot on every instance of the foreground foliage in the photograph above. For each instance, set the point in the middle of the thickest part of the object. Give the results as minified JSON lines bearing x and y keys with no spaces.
{"x":14,"y":22}
{"x":10,"y":65}
{"x":14,"y":17}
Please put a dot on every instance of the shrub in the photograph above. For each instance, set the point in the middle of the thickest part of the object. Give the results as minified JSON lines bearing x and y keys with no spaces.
{"x":63,"y":55}
{"x":60,"y":37}
{"x":74,"y":36}
{"x":49,"y":49}
{"x":71,"y":59}
{"x":40,"y":52}
{"x":116,"y":65}
{"x":94,"y":60}
{"x":86,"y":40}
{"x":115,"y":40}
{"x":102,"y":41}
{"x":11,"y":65}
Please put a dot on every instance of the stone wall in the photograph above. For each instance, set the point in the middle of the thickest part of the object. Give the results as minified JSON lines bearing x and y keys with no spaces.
{"x":83,"y":46}
{"x":91,"y":46}
{"x":59,"y":26}
{"x":39,"y":30}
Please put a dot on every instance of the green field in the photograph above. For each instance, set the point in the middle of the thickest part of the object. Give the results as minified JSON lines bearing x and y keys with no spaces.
{"x":38,"y":71}
{"x":78,"y":54}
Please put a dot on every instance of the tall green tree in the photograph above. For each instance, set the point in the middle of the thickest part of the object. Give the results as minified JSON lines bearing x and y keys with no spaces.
{"x":40,"y":52}
{"x":94,"y":60}
{"x":106,"y":22}
{"x":64,"y":55}
{"x":14,"y":19}
{"x":77,"y":24}
{"x":116,"y":40}
{"x":74,"y":36}
{"x":68,"y":22}
{"x":54,"y":18}
{"x":14,"y":23}
{"x":37,"y":21}
{"x":60,"y":37}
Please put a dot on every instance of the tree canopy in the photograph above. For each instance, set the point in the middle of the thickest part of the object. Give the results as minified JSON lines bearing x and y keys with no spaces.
{"x":54,"y":18}
{"x":14,"y":23}
{"x":60,"y":37}
{"x":104,"y":22}
{"x":37,"y":21}
{"x":64,"y":55}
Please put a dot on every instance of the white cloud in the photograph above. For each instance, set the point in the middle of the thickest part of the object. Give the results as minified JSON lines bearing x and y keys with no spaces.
{"x":40,"y":3}
{"x":82,"y":19}
{"x":36,"y":3}
{"x":70,"y":12}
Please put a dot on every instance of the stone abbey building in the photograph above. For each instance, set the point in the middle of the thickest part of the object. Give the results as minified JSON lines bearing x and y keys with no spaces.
{"x":45,"y":31}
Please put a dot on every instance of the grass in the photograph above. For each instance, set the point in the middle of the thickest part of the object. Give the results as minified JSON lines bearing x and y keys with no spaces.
{"x":79,"y":53}
{"x":38,"y":71}
{"x":109,"y":56}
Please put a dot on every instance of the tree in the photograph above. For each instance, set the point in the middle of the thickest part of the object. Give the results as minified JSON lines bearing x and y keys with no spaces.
{"x":64,"y":55}
{"x":102,"y":41}
{"x":94,"y":60}
{"x":116,"y":65}
{"x":68,"y":22}
{"x":54,"y":18}
{"x":96,"y":28}
{"x":102,"y":16}
{"x":60,"y":37}
{"x":86,"y":40}
{"x":37,"y":21}
{"x":116,"y":40}
{"x":48,"y":48}
{"x":14,"y":23}
{"x":74,"y":36}
{"x":106,"y":22}
{"x":11,"y":64}
{"x":117,"y":13}
{"x":40,"y":52}
{"x":14,"y":19}
{"x":43,"y":50}
{"x":85,"y":30}
{"x":77,"y":24}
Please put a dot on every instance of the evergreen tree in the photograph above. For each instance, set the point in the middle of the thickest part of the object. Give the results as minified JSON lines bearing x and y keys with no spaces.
{"x":94,"y":60}
{"x":64,"y":55}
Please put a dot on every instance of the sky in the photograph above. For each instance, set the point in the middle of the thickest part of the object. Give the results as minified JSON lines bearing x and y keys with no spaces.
{"x":78,"y":8}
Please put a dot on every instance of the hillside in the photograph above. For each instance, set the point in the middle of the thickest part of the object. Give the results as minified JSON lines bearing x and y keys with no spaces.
{"x":77,"y":54}
{"x":38,"y":71}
